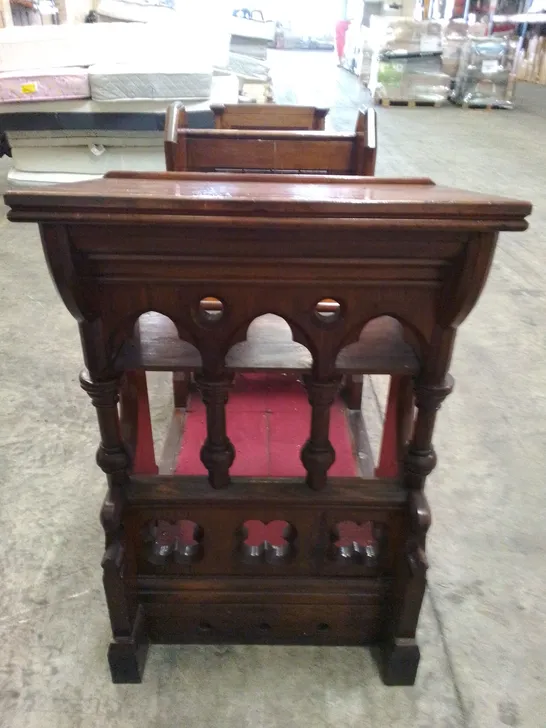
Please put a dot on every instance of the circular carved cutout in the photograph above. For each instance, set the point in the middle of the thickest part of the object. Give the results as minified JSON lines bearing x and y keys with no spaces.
{"x":211,"y":310}
{"x":323,"y":627}
{"x":204,"y":627}
{"x":328,"y":311}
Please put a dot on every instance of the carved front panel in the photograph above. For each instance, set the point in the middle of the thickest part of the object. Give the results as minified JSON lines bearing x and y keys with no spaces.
{"x":239,"y":540}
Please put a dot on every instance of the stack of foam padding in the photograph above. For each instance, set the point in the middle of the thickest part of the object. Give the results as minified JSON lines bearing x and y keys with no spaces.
{"x":486,"y":73}
{"x":406,"y":62}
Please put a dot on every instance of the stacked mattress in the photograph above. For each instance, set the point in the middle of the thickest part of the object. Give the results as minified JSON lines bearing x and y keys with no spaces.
{"x":101,"y":105}
{"x":52,"y":84}
{"x":76,"y":73}
{"x":142,"y":81}
{"x":74,"y":140}
{"x":251,"y":37}
{"x":107,"y":82}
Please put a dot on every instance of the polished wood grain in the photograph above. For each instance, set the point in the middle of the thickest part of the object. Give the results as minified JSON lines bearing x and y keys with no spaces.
{"x":355,"y":203}
{"x":266,"y":116}
{"x":192,"y":272}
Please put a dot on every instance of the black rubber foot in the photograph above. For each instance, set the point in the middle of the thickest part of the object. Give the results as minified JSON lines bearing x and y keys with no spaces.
{"x":399,"y":661}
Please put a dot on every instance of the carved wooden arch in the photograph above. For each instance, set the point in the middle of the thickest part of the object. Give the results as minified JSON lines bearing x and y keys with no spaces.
{"x":414,"y":336}
{"x":121,"y":330}
{"x":298,"y":332}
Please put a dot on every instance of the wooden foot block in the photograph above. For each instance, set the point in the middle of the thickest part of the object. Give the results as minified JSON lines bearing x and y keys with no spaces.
{"x":399,"y":661}
{"x":127,"y":662}
{"x":127,"y":659}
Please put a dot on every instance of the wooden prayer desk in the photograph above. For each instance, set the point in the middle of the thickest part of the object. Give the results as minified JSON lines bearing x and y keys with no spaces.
{"x":307,"y":558}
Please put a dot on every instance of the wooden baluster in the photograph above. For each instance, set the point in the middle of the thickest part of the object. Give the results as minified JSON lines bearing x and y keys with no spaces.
{"x":112,"y":456}
{"x":401,"y":653}
{"x":127,"y":654}
{"x":217,"y":453}
{"x":420,"y":458}
{"x":318,"y":455}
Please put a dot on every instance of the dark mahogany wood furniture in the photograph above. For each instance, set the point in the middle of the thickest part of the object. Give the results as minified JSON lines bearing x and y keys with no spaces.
{"x":268,"y":116}
{"x":314,"y":559}
{"x":270,"y":150}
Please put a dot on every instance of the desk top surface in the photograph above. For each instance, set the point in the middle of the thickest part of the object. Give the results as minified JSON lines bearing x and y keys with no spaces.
{"x":258,"y":196}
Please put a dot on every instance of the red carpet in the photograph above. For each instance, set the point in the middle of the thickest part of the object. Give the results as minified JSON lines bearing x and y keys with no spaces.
{"x":268,"y":421}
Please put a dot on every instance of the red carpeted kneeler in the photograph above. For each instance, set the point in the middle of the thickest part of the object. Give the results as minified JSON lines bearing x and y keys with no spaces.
{"x":268,"y":421}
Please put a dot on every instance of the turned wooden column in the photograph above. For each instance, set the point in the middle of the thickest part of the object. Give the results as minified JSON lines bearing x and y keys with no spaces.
{"x":318,"y":455}
{"x":127,"y":654}
{"x":420,"y":458}
{"x":217,"y":453}
{"x":112,"y":456}
{"x":401,"y":653}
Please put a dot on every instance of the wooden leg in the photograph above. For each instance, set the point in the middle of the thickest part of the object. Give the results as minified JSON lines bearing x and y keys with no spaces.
{"x":400,"y":653}
{"x":127,"y":653}
{"x":127,"y":656}
{"x":352,"y":391}
{"x":181,"y":388}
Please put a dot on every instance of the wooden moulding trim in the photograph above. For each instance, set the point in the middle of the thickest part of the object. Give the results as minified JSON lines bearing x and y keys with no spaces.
{"x":478,"y":222}
{"x":301,"y":589}
{"x":274,"y":177}
{"x":169,"y":491}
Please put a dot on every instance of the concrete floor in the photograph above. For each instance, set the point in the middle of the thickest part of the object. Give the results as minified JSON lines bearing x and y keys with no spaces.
{"x":483,"y":628}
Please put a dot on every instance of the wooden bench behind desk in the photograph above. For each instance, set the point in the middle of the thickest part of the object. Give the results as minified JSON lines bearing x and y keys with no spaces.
{"x":270,"y":150}
{"x":267,"y":116}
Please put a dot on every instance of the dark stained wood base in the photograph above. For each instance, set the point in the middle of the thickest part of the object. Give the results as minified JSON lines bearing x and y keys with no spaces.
{"x":266,"y":610}
{"x":127,"y":658}
{"x":398,"y":662}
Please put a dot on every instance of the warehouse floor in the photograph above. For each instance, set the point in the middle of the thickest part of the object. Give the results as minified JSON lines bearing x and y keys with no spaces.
{"x":483,"y":627}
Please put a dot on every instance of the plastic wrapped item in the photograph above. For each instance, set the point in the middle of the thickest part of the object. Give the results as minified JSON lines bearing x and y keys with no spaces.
{"x":402,"y":36}
{"x":454,"y":35}
{"x":404,"y":61}
{"x":486,"y":73}
{"x":418,"y":78}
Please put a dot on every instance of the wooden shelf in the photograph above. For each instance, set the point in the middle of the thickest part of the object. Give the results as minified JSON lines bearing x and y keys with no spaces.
{"x":381,"y":349}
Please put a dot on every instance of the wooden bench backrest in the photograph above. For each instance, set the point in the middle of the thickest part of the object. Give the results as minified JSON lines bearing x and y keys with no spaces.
{"x":270,"y":150}
{"x":268,"y":116}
